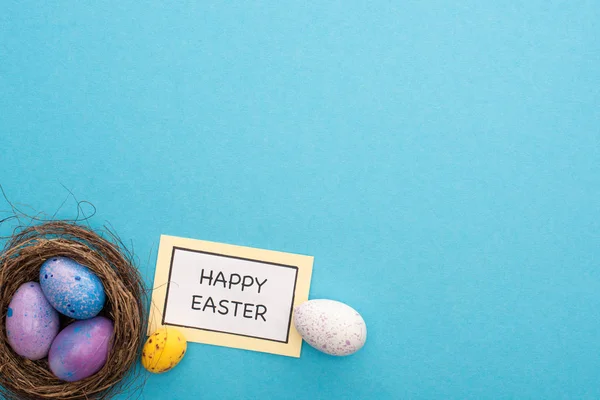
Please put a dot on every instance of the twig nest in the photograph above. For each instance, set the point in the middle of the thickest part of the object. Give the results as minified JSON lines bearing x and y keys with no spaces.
{"x":123,"y":308}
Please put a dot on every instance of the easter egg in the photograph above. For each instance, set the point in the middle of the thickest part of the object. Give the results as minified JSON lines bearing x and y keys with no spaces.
{"x":81,"y":349}
{"x":72,"y":289}
{"x":31,"y":322}
{"x":163,"y":350}
{"x":330,"y":326}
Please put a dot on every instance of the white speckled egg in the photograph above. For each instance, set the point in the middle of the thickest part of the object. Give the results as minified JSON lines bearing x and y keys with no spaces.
{"x":330,"y":326}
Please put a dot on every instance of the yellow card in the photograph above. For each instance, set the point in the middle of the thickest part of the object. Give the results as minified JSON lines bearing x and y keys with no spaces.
{"x":228,"y":295}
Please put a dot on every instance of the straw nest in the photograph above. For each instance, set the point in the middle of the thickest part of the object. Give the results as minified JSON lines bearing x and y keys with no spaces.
{"x":20,"y":262}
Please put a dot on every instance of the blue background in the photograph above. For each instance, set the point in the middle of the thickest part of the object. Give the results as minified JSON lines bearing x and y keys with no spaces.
{"x":441,"y":162}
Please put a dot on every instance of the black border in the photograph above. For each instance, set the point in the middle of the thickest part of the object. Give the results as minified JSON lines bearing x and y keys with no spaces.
{"x":287,"y":338}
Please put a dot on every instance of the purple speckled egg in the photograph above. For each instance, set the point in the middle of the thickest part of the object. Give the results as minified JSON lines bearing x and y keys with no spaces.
{"x":330,"y":326}
{"x":31,"y":322}
{"x":81,"y":349}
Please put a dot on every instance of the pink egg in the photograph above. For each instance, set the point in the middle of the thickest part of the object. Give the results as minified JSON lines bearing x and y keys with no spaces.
{"x":81,"y":349}
{"x":31,"y":322}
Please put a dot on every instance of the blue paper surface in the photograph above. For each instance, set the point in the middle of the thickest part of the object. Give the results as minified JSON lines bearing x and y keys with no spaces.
{"x":441,"y":161}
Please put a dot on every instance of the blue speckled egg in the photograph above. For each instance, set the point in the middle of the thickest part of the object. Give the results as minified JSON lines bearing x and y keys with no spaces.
{"x":31,"y":322}
{"x":71,"y":288}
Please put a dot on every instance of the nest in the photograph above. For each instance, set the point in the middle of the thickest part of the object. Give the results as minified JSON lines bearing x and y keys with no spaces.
{"x":20,"y":262}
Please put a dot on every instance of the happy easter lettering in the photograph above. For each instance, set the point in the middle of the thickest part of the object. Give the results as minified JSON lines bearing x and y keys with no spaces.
{"x":230,"y":307}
